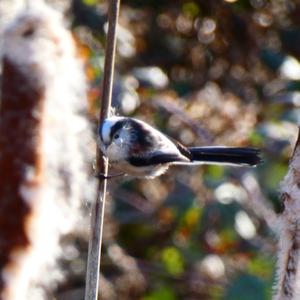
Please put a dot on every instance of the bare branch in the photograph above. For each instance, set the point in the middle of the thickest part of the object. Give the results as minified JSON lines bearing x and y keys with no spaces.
{"x":257,"y":201}
{"x":174,"y":109}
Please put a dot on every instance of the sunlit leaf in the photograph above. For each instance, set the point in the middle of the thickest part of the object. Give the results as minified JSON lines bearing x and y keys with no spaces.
{"x":274,"y":174}
{"x":163,"y":293}
{"x":172,"y":260}
{"x":191,"y":217}
{"x":90,"y":2}
{"x":215,"y":172}
{"x":256,"y":138}
{"x":262,"y":266}
{"x":216,"y":292}
{"x":191,"y":9}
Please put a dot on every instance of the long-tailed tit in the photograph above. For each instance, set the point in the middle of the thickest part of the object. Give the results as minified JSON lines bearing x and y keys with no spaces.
{"x":138,"y":149}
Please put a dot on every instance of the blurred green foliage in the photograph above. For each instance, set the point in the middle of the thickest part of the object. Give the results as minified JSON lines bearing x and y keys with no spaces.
{"x":163,"y":293}
{"x":172,"y":261}
{"x":90,"y":2}
{"x":229,"y":75}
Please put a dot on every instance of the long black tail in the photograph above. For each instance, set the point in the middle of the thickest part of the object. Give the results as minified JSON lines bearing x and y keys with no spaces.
{"x":226,"y":155}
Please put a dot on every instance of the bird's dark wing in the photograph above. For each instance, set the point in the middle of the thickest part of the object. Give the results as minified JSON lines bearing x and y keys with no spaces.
{"x":183,"y":149}
{"x":155,"y":159}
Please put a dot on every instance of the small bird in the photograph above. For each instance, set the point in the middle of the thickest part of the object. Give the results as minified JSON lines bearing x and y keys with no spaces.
{"x":138,"y":149}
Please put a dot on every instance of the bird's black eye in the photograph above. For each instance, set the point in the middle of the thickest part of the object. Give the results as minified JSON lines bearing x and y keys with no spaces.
{"x":116,"y":136}
{"x":28,"y":32}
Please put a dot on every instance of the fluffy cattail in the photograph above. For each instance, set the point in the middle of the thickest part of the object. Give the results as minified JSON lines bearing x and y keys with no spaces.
{"x":44,"y":140}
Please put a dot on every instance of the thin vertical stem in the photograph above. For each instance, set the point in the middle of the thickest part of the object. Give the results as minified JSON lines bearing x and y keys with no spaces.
{"x":98,"y":209}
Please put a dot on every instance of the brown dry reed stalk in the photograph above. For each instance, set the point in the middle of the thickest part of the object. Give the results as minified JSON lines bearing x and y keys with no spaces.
{"x":98,"y":208}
